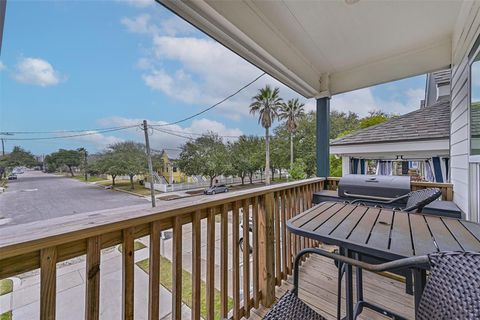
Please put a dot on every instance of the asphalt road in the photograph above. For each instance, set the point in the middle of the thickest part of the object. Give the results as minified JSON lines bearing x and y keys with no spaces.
{"x":38,"y":196}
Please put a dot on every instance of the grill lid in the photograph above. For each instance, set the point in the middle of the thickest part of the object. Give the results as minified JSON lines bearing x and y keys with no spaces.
{"x":359,"y":186}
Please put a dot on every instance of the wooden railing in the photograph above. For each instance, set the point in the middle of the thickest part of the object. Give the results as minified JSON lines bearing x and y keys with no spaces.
{"x":46,"y":243}
{"x":446,"y":188}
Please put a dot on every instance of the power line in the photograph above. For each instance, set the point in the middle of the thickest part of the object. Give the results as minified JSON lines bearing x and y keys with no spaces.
{"x":212,"y":106}
{"x":72,"y":135}
{"x":64,"y":131}
{"x":195,"y":133}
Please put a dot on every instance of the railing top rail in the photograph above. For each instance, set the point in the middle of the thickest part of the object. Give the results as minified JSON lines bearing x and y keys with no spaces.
{"x":25,"y":238}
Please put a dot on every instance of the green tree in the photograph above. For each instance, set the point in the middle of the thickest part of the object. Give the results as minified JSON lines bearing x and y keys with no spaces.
{"x":207,"y":155}
{"x":291,"y":112}
{"x":279,"y":153}
{"x":342,"y":123}
{"x":374,"y":117}
{"x":246,"y":156}
{"x":297,"y":171}
{"x":335,"y":166}
{"x":19,"y":157}
{"x":63,"y":157}
{"x":265,"y":104}
{"x":130,"y":159}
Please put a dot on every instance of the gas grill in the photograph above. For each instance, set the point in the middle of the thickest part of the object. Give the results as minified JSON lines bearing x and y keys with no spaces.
{"x":355,"y":186}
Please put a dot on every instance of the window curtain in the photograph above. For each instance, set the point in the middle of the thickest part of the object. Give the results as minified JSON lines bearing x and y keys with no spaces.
{"x":429,"y":175}
{"x":440,"y":168}
{"x":357,"y":166}
{"x":384,"y":168}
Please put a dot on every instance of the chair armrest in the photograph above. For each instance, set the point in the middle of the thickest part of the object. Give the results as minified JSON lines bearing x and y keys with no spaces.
{"x":417,"y":261}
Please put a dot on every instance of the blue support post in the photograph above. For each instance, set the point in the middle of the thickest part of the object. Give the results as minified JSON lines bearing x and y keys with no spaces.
{"x":323,"y":140}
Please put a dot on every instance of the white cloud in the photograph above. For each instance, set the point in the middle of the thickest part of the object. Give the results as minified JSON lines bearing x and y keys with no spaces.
{"x":36,"y":71}
{"x":2,"y":66}
{"x":362,"y":101}
{"x":140,"y":24}
{"x":197,"y":71}
{"x":173,"y":140}
{"x":99,"y":140}
{"x":139,"y":3}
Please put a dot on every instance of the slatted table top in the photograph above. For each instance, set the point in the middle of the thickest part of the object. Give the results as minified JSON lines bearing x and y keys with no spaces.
{"x":385,"y":233}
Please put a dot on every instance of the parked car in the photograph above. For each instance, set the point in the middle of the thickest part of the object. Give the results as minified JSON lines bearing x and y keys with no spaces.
{"x":219,"y":188}
{"x":12,"y":176}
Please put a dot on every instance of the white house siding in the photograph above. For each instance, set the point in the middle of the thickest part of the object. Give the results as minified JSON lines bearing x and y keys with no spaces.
{"x":466,"y":32}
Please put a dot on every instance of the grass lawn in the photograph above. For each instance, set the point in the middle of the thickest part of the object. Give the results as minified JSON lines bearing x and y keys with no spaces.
{"x":6,"y":315}
{"x":137,"y":245}
{"x":6,"y":286}
{"x":167,"y":281}
{"x":125,"y":185}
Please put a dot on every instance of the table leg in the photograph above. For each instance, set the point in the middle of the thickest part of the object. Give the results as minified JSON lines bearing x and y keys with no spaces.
{"x":359,"y":282}
{"x":420,"y":279}
{"x":349,"y":287}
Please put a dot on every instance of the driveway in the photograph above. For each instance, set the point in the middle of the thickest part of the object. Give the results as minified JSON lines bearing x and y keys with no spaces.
{"x":38,"y":196}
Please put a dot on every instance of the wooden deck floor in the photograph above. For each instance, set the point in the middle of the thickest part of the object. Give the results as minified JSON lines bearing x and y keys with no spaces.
{"x":318,"y":278}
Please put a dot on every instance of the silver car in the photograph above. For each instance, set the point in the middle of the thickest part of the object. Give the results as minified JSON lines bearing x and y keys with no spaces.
{"x":219,"y":188}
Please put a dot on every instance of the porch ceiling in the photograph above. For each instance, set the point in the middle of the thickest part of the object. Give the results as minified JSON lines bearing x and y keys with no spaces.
{"x":320,"y":48}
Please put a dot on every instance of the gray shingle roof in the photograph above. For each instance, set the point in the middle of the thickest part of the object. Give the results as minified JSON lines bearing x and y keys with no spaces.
{"x":427,"y":123}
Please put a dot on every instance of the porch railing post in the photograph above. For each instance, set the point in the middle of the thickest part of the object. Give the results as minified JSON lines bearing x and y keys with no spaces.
{"x":266,"y":249}
{"x":323,"y":137}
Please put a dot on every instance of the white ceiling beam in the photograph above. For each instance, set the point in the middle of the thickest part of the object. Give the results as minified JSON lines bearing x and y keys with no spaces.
{"x":412,"y":63}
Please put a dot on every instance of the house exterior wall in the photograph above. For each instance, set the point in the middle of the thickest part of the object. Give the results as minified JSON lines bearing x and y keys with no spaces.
{"x":168,"y":173}
{"x":465,"y":34}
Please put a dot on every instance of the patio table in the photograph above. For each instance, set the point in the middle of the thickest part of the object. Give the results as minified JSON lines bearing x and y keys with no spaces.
{"x":384,"y":234}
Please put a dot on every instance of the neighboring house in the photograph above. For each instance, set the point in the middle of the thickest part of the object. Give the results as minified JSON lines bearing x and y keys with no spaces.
{"x":170,"y":171}
{"x":416,"y":143}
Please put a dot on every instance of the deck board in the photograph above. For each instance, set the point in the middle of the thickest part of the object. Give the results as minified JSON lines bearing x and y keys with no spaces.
{"x":318,"y":280}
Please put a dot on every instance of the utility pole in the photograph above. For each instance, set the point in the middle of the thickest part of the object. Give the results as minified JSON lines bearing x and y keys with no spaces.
{"x":150,"y":166}
{"x":85,"y":162}
{"x":3,"y":148}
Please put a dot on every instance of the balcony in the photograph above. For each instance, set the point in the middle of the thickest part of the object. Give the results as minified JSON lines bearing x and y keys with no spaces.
{"x":203,"y":244}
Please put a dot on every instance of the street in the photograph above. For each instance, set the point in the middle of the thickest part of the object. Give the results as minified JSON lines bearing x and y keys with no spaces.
{"x":38,"y":196}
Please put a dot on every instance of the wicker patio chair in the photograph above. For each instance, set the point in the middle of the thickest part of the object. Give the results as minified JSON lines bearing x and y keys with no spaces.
{"x":416,"y":200}
{"x":451,"y":292}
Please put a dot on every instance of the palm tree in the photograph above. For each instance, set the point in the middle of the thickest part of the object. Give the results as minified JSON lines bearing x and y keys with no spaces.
{"x":266,"y":103}
{"x":291,"y":112}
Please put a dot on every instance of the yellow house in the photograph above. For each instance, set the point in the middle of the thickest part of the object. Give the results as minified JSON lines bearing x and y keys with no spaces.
{"x":170,"y":171}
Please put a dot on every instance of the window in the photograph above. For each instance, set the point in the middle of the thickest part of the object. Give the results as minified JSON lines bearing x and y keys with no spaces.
{"x":174,"y":169}
{"x":475,"y":109}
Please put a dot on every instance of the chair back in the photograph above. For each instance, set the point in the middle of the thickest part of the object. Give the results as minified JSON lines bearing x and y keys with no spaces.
{"x":420,"y":198}
{"x":453,"y":287}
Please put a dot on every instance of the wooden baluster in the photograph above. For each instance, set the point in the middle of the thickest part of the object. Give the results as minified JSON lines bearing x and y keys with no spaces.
{"x":154,"y":272}
{"x":128,"y":273}
{"x":92,"y":287}
{"x":224,"y":261}
{"x":246,"y":258}
{"x":210,"y":264}
{"x":288,"y":243}
{"x":236,"y":262}
{"x":48,"y":283}
{"x":196,"y":268}
{"x":293,"y":200}
{"x":284,"y":234}
{"x":177,"y":269}
{"x":256,"y":296}
{"x":278,"y":270}
{"x":266,"y":254}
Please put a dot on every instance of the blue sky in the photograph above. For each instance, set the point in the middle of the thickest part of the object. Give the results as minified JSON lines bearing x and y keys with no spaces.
{"x":96,"y":64}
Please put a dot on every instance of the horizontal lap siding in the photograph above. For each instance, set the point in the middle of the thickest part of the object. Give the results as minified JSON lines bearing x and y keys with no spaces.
{"x":465,"y":34}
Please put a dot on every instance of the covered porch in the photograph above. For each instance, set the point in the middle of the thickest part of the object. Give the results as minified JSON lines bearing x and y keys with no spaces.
{"x":362,"y":43}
